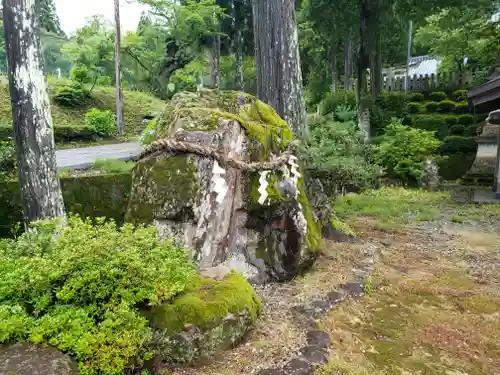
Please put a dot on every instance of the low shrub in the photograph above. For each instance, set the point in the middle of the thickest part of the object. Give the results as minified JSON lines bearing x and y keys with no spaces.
{"x":414,"y":107}
{"x":61,"y":133}
{"x":345,"y":113}
{"x":416,"y":97}
{"x":7,"y":156}
{"x":457,"y":144}
{"x":394,"y":102}
{"x":332,"y":100}
{"x":454,"y":166}
{"x":101,"y":122}
{"x":80,"y":74}
{"x":72,"y":96}
{"x":446,"y":106}
{"x":149,"y":134}
{"x":462,"y":108}
{"x":457,"y":130}
{"x":113,"y":166}
{"x":466,"y":119}
{"x":459,"y":95}
{"x":403,"y":150}
{"x":82,"y":289}
{"x":334,"y":153}
{"x":431,"y":107}
{"x":473,"y":130}
{"x":438,"y":96}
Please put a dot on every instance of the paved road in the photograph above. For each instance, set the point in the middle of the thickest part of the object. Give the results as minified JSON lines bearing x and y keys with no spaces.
{"x":83,"y":158}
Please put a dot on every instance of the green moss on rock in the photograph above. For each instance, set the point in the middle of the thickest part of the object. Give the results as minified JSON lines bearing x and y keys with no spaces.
{"x":207,"y":304}
{"x":172,"y":184}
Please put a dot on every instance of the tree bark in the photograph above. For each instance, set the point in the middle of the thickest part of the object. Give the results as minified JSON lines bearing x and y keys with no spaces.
{"x":238,"y":8}
{"x":215,"y":62}
{"x":279,"y":77}
{"x":363,"y":64}
{"x":32,"y":121}
{"x":348,"y":65}
{"x":120,"y":121}
{"x":334,"y":68}
{"x":374,"y":47}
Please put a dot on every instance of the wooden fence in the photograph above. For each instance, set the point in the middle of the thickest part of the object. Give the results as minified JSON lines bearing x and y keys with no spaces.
{"x":442,"y":81}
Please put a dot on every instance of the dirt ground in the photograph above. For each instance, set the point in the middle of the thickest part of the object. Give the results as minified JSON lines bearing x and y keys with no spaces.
{"x":432,"y":306}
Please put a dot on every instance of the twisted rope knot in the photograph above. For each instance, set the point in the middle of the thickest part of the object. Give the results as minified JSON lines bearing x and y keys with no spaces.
{"x":175,"y":146}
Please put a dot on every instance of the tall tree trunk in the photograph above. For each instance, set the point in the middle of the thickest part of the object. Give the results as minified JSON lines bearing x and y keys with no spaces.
{"x":348,"y":65}
{"x":32,"y":121}
{"x":120,"y":121}
{"x":279,"y":78}
{"x":374,"y":48}
{"x":215,"y":62}
{"x":238,"y":44}
{"x":363,"y":64}
{"x":333,"y":57}
{"x":379,"y":83}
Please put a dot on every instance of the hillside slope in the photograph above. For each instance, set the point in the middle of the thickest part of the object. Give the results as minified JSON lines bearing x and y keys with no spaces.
{"x":137,"y":105}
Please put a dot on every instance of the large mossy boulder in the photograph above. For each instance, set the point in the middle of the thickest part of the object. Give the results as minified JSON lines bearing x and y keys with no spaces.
{"x":29,"y":359}
{"x":214,"y":315}
{"x":218,"y":210}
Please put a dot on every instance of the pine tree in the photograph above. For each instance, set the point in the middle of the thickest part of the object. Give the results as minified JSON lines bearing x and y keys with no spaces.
{"x":47,"y":17}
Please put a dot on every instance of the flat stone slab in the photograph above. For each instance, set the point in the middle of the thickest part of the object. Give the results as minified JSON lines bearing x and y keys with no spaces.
{"x":486,"y":196}
{"x":84,"y":157}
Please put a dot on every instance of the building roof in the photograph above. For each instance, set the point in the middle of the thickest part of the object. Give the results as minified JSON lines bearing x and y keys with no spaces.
{"x":419,"y":65}
{"x":487,"y":96}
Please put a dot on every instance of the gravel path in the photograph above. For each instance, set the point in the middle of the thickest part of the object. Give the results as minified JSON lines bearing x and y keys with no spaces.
{"x":83,"y":158}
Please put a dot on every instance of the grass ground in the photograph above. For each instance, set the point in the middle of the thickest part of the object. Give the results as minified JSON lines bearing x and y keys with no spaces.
{"x":433,"y":307}
{"x":136,"y":106}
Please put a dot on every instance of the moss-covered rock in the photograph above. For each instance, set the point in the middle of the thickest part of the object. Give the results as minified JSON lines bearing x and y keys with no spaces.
{"x":215,"y":209}
{"x":212,"y":316}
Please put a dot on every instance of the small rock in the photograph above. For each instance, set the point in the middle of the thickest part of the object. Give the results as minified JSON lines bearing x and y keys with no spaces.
{"x":320,"y":305}
{"x":298,"y":367}
{"x":270,"y":371}
{"x":321,"y":339}
{"x":354,"y":289}
{"x":314,"y":355}
{"x":215,"y":273}
{"x":335,"y":296}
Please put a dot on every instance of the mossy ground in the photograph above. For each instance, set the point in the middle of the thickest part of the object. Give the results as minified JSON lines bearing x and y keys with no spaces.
{"x":433,"y":306}
{"x":136,"y":105}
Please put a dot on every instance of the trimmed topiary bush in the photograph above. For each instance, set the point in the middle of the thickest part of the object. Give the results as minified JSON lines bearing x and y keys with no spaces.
{"x":473,"y":130}
{"x":438,"y":96}
{"x":459,"y":95}
{"x":466,"y":119}
{"x":81,"y":290}
{"x":432,"y":123}
{"x":451,"y":120}
{"x":446,"y":106}
{"x":457,"y":130}
{"x":72,"y":96}
{"x":457,"y":144}
{"x":462,"y":108}
{"x":413,"y":108}
{"x":431,"y":107}
{"x":416,"y":97}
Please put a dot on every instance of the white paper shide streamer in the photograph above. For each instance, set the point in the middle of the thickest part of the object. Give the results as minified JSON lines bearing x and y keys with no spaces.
{"x":220,"y":185}
{"x":263,"y":184}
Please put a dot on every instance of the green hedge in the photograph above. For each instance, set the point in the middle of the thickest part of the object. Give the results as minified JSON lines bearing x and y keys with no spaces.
{"x":466,"y":119}
{"x":431,"y":107}
{"x":446,"y":106}
{"x":457,"y":144}
{"x":88,"y":196}
{"x":61,"y":133}
{"x":438,"y":96}
{"x":432,"y":123}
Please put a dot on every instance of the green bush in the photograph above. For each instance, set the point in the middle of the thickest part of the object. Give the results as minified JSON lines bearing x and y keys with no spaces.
{"x":149,"y":134}
{"x":466,"y":119}
{"x":332,"y":100}
{"x":72,"y":96}
{"x":413,"y":107}
{"x":446,"y":106}
{"x":101,"y":122}
{"x":438,"y":96}
{"x":416,"y":97}
{"x":431,"y":107}
{"x":472,"y":130}
{"x":403,"y":150}
{"x":457,"y":144}
{"x":457,"y":130}
{"x":80,"y":74}
{"x":334,"y":152}
{"x":81,"y":290}
{"x":7,"y":156}
{"x":436,"y":124}
{"x":453,"y":167}
{"x":459,"y":95}
{"x":462,"y":108}
{"x":345,"y":113}
{"x":394,"y":102}
{"x":451,"y":120}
